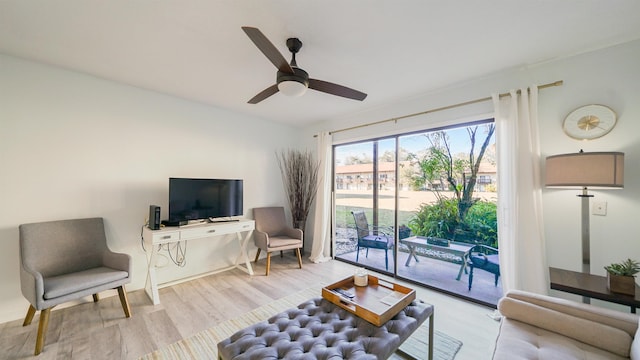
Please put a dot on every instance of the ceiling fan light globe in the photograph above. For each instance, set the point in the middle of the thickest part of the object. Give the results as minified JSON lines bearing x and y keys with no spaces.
{"x":292,"y":88}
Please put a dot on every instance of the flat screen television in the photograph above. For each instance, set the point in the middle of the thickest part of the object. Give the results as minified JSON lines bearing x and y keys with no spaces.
{"x":197,"y":199}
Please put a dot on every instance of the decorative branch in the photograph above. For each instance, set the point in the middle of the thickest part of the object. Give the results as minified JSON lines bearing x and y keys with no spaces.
{"x":300,"y":178}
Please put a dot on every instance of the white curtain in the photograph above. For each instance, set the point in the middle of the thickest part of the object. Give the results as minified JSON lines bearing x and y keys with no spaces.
{"x":321,"y":246}
{"x":523,"y":264}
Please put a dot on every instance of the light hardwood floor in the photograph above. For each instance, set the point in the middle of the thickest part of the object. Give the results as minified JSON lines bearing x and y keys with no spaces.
{"x":100,"y":330}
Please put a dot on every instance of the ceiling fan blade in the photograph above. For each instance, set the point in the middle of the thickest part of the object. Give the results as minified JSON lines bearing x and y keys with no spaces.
{"x":268,"y":49}
{"x":264,"y":94}
{"x":335,"y":89}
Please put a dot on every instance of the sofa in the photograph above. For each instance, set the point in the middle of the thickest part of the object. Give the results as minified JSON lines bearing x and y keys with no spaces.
{"x":542,"y":327}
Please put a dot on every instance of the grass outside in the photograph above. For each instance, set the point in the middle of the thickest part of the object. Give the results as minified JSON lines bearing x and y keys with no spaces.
{"x":344,"y":218}
{"x":409,"y":203}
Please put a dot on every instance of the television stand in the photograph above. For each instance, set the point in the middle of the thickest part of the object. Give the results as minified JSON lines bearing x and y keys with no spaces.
{"x":153,"y":239}
{"x":222,"y":220}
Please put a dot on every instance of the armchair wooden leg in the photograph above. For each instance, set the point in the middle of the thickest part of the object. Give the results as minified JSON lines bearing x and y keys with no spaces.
{"x":30,"y":313}
{"x":96,"y":298}
{"x":257,"y":256}
{"x":299,"y":258}
{"x":42,"y":330}
{"x":268,"y":262}
{"x":124,"y":301}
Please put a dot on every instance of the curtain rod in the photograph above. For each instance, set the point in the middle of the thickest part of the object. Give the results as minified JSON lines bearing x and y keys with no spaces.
{"x":555,"y":83}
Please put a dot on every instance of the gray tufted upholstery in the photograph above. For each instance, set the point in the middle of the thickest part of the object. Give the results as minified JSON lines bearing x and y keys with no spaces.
{"x":318,"y":329}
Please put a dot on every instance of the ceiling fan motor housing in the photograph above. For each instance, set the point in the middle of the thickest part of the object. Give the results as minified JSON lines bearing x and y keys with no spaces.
{"x":298,"y":75}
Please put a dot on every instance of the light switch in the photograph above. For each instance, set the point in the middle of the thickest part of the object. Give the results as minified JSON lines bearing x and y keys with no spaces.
{"x":599,"y":208}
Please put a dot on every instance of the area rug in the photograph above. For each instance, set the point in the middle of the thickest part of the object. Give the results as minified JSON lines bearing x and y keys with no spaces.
{"x":203,"y":345}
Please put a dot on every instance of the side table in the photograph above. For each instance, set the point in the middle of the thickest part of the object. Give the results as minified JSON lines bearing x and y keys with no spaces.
{"x":591,"y":286}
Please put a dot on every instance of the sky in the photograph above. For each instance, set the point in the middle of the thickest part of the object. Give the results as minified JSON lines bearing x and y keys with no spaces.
{"x":458,"y":139}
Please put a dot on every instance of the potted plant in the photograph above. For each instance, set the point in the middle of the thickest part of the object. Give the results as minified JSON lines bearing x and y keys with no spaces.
{"x":621,"y":277}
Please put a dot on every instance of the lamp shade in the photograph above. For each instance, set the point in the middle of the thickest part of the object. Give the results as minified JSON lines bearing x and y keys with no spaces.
{"x":593,"y":169}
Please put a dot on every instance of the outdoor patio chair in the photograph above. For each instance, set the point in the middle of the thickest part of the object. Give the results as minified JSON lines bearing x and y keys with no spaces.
{"x":372,"y":237}
{"x":486,"y":258}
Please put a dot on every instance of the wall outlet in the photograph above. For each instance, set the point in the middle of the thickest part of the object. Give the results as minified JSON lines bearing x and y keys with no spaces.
{"x":599,"y":208}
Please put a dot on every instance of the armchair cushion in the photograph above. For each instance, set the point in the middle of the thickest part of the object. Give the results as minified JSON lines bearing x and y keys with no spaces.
{"x":276,"y":242}
{"x":62,"y":285}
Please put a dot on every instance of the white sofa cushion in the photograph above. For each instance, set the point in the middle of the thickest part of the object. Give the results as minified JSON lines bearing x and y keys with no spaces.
{"x":520,"y":341}
{"x":589,"y":332}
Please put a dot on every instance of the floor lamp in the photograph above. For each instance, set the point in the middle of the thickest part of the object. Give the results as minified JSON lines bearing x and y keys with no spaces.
{"x":602,"y":170}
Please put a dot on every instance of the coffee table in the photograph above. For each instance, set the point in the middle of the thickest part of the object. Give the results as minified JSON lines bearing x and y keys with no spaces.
{"x":457,"y":249}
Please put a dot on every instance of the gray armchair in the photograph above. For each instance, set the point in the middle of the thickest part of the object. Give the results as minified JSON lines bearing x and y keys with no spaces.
{"x":66,"y":260}
{"x":273,"y":234}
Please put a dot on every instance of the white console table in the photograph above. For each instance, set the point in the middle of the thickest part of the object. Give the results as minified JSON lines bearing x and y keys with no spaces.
{"x":154,"y":238}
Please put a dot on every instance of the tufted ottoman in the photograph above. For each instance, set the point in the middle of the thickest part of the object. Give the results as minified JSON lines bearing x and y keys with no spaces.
{"x":318,"y":329}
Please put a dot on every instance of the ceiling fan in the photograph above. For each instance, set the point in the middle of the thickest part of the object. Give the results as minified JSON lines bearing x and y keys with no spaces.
{"x":292,"y":80}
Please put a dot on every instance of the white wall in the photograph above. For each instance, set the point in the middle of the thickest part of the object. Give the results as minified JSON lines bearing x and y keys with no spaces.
{"x":74,"y":146}
{"x":608,"y":76}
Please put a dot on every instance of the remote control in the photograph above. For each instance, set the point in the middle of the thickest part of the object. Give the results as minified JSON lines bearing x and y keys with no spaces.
{"x":344,"y":293}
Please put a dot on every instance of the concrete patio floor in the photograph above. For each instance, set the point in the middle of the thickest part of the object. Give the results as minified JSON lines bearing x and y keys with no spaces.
{"x":433,"y":273}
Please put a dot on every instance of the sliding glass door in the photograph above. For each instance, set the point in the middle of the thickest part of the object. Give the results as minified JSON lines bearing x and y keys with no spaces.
{"x":365,"y":175}
{"x":428,"y":200}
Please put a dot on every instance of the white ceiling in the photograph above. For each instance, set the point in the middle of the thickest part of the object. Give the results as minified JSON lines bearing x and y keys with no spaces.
{"x":392,"y":50}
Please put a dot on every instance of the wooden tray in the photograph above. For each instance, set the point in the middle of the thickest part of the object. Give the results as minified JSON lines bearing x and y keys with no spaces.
{"x":377,"y":302}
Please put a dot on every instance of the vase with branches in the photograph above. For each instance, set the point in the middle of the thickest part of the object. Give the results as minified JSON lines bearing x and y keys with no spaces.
{"x":299,"y":173}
